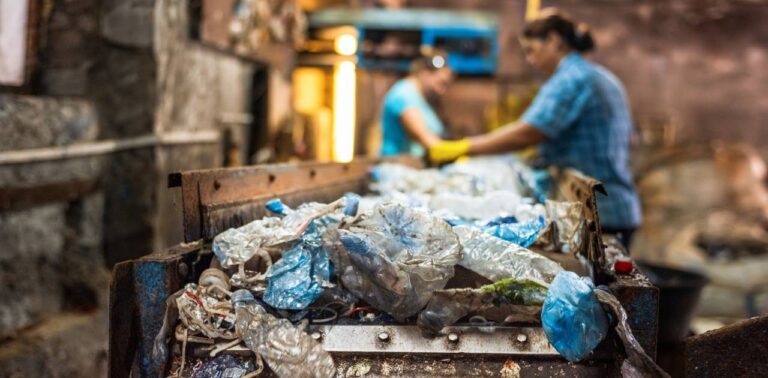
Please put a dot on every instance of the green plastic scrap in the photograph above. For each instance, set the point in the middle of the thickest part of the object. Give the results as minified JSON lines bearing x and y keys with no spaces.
{"x":524,"y":291}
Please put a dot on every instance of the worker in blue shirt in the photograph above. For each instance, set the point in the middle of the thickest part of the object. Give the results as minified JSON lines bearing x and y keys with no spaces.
{"x":579,"y":119}
{"x":409,"y":124}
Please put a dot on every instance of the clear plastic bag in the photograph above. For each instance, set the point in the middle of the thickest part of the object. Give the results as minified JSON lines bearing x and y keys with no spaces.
{"x":286,"y":349}
{"x":299,"y":277}
{"x":572,"y":317}
{"x":238,"y":245}
{"x":394,"y":257}
{"x":496,"y":259}
{"x":487,"y":206}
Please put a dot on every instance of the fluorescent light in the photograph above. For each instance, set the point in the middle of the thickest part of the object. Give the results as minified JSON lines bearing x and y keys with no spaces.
{"x":343,"y":111}
{"x":345,"y":44}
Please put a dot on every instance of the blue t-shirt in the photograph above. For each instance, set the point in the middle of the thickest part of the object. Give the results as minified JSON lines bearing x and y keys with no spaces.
{"x":403,"y":96}
{"x":583,"y":111}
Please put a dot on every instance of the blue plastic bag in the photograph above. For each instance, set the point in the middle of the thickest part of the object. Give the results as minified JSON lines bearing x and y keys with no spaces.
{"x":572,"y":317}
{"x":523,"y":234}
{"x":296,"y":280}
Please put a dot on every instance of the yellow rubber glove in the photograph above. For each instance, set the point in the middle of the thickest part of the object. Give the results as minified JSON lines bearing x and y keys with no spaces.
{"x":448,"y":150}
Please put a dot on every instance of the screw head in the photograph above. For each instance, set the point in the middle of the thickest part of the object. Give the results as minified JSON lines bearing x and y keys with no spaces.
{"x":521,"y":338}
{"x":452,"y":337}
{"x":383,"y":336}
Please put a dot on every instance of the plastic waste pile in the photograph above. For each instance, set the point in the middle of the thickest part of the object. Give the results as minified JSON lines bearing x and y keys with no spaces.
{"x":391,"y":255}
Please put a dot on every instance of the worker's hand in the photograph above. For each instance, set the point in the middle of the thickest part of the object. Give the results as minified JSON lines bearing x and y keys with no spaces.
{"x":448,"y":150}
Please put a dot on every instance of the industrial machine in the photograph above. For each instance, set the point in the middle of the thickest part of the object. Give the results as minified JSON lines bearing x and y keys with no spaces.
{"x":218,"y":199}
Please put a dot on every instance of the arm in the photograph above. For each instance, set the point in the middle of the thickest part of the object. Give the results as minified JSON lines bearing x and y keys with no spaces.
{"x":512,"y":137}
{"x":414,"y":126}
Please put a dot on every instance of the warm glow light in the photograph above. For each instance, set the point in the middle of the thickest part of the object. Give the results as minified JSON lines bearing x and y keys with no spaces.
{"x":343,"y":111}
{"x":345,"y":44}
{"x":532,"y":8}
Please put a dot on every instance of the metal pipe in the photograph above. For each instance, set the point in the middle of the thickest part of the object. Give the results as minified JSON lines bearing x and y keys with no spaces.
{"x":108,"y":146}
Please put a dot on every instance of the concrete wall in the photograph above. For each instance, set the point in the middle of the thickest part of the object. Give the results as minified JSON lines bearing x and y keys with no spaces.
{"x":109,"y":70}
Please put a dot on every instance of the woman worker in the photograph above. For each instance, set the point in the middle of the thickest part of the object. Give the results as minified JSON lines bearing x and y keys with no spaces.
{"x":579,"y":119}
{"x":408,"y":121}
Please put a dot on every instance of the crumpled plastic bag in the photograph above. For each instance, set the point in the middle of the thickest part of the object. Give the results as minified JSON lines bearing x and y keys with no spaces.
{"x":299,"y":277}
{"x":487,"y":206}
{"x":287,"y":349}
{"x":572,"y":317}
{"x":523,"y":234}
{"x":567,"y":228}
{"x":496,"y":259}
{"x":238,"y":245}
{"x":389,"y":177}
{"x":394,"y":257}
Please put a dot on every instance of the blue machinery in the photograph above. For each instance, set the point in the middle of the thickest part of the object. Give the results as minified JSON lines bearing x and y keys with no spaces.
{"x":469,"y":37}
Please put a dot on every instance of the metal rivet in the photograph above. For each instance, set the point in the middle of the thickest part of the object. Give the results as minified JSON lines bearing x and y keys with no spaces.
{"x":316,"y":336}
{"x":522,"y":338}
{"x":383,"y":336}
{"x":452,"y":337}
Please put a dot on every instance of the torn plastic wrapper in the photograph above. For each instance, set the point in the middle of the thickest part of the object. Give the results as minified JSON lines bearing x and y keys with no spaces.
{"x":572,"y":317}
{"x":638,"y":364}
{"x":238,"y":245}
{"x":287,"y":349}
{"x":523,"y":234}
{"x":496,"y":259}
{"x":394,"y":257}
{"x":568,"y":227}
{"x":204,"y":313}
{"x":299,"y":277}
{"x":448,"y":306}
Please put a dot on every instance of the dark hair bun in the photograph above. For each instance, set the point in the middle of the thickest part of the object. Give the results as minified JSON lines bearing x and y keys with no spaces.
{"x":583,"y":41}
{"x":577,"y":37}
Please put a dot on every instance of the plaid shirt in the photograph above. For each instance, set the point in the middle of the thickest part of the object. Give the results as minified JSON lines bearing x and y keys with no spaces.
{"x":583,"y":111}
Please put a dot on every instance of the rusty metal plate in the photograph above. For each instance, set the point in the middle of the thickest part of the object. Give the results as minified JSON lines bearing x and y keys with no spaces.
{"x":389,"y":339}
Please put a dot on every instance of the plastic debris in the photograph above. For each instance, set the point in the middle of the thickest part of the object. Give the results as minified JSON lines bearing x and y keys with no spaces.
{"x":286,"y":349}
{"x":238,"y":245}
{"x":299,"y":277}
{"x":224,"y":366}
{"x":572,"y":317}
{"x":520,"y":292}
{"x":569,"y":226}
{"x":394,"y":257}
{"x":487,"y":206}
{"x":497,"y":259}
{"x":638,"y":364}
{"x":448,"y":306}
{"x":523,"y":234}
{"x":201,"y":312}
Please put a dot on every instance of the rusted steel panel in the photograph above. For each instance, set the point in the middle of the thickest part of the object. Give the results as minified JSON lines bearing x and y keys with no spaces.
{"x":216,"y":199}
{"x":137,"y":304}
{"x":737,"y":350}
{"x":640,"y":300}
